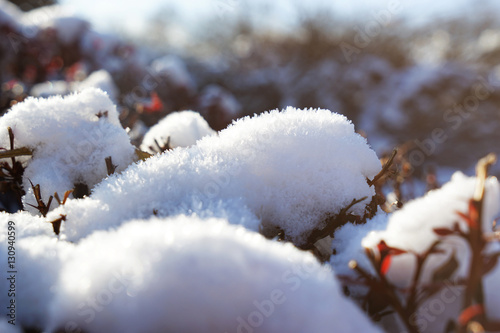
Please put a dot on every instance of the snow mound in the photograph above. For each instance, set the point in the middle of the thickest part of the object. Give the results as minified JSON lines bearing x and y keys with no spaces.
{"x":173,"y":69}
{"x":183,"y":128}
{"x":50,"y":88}
{"x":58,"y":18}
{"x":38,"y":261}
{"x":5,"y":327}
{"x":99,"y":79}
{"x":411,"y":228}
{"x":70,"y":138}
{"x":289,"y":168}
{"x":218,"y":106}
{"x":9,"y":15}
{"x":188,"y":275}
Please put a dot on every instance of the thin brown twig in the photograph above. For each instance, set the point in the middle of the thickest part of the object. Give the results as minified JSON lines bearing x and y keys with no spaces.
{"x":384,"y":168}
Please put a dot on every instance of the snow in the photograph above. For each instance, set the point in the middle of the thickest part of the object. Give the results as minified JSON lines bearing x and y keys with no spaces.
{"x":216,"y":95}
{"x":172,"y":68}
{"x":58,"y":18}
{"x":347,"y":244}
{"x":100,"y":79}
{"x":5,"y":327}
{"x":69,"y":141}
{"x":290,"y":169}
{"x":491,"y":284}
{"x":181,"y":273}
{"x":183,"y":128}
{"x":411,"y":228}
{"x":9,"y":14}
{"x":184,"y":274}
{"x":50,"y":88}
{"x":27,"y":225}
{"x":38,"y":257}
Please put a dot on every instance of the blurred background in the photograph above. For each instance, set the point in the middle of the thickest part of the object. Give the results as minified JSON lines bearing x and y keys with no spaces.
{"x":423,"y":76}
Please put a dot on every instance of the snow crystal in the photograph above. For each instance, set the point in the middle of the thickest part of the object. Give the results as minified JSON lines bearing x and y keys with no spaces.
{"x":70,"y":137}
{"x":188,"y":275}
{"x":289,"y":168}
{"x":183,"y":128}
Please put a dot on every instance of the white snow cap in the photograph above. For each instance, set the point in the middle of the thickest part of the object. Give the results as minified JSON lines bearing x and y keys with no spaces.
{"x":289,"y":168}
{"x":50,"y":88}
{"x":411,"y":228}
{"x":183,"y":128}
{"x":174,"y":69}
{"x":70,"y":138}
{"x":187,"y":275}
{"x":59,"y":18}
{"x":38,"y":258}
{"x":9,"y":14}
{"x":99,"y":79}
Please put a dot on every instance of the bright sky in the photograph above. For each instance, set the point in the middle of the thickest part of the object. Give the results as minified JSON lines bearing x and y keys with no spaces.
{"x":133,"y":15}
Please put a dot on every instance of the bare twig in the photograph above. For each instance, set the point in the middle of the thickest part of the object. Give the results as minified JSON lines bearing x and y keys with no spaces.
{"x":385,"y":168}
{"x":110,"y":166}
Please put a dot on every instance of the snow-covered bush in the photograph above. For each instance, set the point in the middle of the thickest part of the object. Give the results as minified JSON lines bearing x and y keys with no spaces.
{"x":184,"y":274}
{"x":99,"y":79}
{"x":70,"y":138}
{"x":412,"y":228}
{"x":56,"y":18}
{"x":292,"y":169}
{"x":178,"y":129}
{"x":433,"y":258}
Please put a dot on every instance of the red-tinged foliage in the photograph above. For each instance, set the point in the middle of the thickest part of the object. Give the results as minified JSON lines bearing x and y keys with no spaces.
{"x":443,"y":231}
{"x":386,"y":250}
{"x":468,"y":314}
{"x":385,"y":265}
{"x":156,"y":104}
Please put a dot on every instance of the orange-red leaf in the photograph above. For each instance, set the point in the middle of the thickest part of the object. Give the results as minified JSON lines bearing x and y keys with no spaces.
{"x":386,"y":264}
{"x":468,"y":314}
{"x":155,"y":105}
{"x":385,"y":250}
